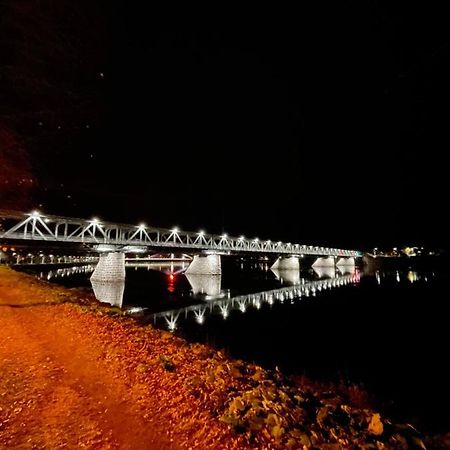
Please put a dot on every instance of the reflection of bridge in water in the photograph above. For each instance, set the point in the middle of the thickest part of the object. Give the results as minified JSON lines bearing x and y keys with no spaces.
{"x":207,"y":288}
{"x":215,"y":300}
{"x":300,"y":288}
{"x":67,"y":271}
{"x":109,"y":291}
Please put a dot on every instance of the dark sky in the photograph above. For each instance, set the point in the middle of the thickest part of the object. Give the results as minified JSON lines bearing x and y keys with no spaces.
{"x":325,"y":125}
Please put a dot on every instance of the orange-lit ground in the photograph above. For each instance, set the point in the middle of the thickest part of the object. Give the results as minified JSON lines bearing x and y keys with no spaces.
{"x":73,"y":380}
{"x":76,"y":374}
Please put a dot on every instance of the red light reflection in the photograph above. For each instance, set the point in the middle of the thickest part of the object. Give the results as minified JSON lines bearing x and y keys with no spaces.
{"x":171,"y":283}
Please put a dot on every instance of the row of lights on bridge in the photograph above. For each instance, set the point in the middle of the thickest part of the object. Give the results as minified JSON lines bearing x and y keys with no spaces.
{"x":225,"y":236}
{"x":176,"y":230}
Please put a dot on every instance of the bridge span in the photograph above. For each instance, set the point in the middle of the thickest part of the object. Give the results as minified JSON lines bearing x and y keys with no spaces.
{"x":113,"y":240}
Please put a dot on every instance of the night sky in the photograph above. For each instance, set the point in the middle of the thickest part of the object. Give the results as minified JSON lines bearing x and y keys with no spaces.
{"x":325,"y":126}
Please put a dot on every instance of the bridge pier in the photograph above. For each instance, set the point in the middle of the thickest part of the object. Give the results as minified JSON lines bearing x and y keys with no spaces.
{"x":346,"y":262}
{"x":323,"y":261}
{"x":205,"y":265}
{"x":110,"y":267}
{"x":286,"y":263}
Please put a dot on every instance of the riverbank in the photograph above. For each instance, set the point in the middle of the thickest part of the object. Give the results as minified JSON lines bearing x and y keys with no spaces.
{"x":75,"y":373}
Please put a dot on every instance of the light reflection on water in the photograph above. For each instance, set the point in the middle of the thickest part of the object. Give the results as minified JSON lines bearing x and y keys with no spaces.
{"x":212,"y":299}
{"x":109,"y":292}
{"x":208,"y":288}
{"x":66,"y":271}
{"x":295,"y":289}
{"x":410,"y":276}
{"x":289,"y":277}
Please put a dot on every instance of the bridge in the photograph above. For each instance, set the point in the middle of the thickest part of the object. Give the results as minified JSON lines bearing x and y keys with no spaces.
{"x":113,"y":240}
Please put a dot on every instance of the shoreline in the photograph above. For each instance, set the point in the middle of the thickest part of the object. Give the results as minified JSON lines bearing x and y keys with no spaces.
{"x":204,"y":398}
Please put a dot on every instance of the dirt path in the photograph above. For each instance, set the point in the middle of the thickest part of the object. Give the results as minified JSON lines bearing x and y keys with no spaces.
{"x":74,"y":380}
{"x":57,"y":387}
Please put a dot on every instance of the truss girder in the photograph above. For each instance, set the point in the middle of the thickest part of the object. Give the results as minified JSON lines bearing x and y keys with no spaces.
{"x":39,"y":227}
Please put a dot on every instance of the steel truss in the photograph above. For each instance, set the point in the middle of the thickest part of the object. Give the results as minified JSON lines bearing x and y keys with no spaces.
{"x":39,"y":227}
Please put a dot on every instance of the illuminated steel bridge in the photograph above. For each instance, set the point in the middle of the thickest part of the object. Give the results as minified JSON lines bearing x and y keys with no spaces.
{"x":113,"y":240}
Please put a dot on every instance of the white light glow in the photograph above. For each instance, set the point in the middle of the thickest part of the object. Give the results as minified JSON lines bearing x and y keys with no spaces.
{"x":135,"y":310}
{"x":171,"y":322}
{"x":224,"y":311}
{"x":175,"y":230}
{"x":199,"y":316}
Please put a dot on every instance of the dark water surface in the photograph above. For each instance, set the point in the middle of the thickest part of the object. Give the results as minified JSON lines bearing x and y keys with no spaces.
{"x":388,"y":330}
